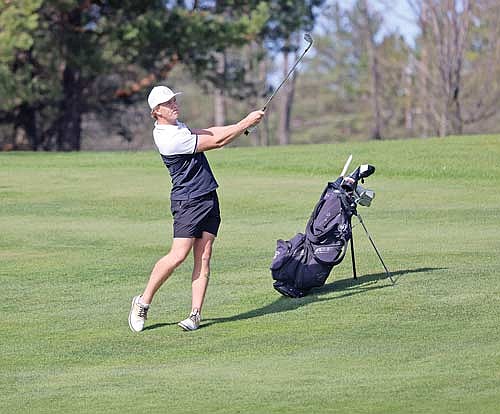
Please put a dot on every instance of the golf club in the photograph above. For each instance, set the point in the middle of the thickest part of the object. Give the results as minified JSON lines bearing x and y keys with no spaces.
{"x":346,"y":166}
{"x":308,"y":38}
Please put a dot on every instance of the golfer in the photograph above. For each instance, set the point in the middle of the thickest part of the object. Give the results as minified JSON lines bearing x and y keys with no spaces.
{"x":194,"y":202}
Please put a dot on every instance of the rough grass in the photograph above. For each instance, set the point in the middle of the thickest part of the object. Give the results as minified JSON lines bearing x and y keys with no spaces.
{"x":80,"y":233}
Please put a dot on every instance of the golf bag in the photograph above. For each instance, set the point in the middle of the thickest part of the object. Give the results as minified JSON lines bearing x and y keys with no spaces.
{"x":306,"y":260}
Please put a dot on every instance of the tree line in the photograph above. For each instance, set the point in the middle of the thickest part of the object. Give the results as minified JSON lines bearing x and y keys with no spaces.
{"x":382,"y":86}
{"x":68,"y":64}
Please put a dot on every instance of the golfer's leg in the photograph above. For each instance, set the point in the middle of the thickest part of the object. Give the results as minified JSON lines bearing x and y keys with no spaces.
{"x":166,"y":265}
{"x":202,"y":251}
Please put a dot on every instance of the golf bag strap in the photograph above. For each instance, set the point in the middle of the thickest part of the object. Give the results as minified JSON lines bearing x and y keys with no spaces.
{"x":341,"y":256}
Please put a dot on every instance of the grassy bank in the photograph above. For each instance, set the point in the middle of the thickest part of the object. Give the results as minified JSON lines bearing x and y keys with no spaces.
{"x":81,"y":231}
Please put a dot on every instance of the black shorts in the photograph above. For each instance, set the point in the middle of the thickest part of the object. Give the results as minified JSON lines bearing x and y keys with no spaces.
{"x":194,"y":216}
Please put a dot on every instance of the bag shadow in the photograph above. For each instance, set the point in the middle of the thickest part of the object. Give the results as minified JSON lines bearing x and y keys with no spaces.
{"x":349,"y":287}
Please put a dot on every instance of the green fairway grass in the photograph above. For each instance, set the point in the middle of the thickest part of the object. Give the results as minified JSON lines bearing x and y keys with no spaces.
{"x":80,"y":232}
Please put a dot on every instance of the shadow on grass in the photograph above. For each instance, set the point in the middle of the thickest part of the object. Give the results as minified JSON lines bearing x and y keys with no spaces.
{"x":347,"y":287}
{"x":159,"y":325}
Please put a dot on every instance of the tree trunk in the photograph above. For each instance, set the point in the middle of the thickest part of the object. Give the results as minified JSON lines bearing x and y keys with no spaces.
{"x":219,"y":107}
{"x":264,"y":132}
{"x":373,"y":63}
{"x":69,"y":128}
{"x":263,"y":129}
{"x":457,"y":119}
{"x":408,"y":109}
{"x":219,"y":98}
{"x":285,"y":103}
{"x":423,"y":102}
{"x":26,"y":131}
{"x":443,"y":125}
{"x":446,"y":27}
{"x":376,"y":90}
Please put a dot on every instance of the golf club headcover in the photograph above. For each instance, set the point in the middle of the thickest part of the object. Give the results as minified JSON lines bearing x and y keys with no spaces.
{"x":349,"y":183}
{"x":366,"y":170}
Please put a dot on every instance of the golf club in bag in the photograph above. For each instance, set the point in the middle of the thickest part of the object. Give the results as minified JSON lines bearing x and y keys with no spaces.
{"x":306,"y":260}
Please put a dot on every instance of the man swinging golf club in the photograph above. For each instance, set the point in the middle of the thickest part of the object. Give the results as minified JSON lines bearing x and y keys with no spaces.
{"x":194,"y":202}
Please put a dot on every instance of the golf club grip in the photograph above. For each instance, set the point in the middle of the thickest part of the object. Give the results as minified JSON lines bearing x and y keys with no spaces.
{"x":247,"y":131}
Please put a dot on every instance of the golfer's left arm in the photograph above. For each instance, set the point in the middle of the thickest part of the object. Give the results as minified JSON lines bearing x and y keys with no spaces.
{"x":217,"y":137}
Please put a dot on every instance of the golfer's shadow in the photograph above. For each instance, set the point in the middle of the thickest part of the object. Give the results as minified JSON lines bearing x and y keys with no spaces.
{"x":347,"y":287}
{"x":159,"y":325}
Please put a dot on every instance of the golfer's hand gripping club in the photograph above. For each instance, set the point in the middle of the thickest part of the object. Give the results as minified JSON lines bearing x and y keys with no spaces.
{"x":253,"y":127}
{"x":252,"y":119}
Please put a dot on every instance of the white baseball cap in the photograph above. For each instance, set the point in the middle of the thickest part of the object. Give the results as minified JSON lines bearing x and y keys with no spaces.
{"x":160,"y":94}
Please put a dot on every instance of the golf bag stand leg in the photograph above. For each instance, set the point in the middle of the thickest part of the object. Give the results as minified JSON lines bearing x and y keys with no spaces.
{"x":353,"y":259}
{"x":375,"y":247}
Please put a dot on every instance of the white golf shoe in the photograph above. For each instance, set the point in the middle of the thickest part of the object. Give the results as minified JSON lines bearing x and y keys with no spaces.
{"x":192,"y":322}
{"x":138,"y":315}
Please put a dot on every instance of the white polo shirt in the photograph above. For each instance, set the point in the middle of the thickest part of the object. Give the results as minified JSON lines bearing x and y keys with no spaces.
{"x":190,"y":172}
{"x":174,"y":139}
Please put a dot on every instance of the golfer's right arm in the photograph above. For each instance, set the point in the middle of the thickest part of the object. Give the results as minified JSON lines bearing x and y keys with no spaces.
{"x":217,"y":137}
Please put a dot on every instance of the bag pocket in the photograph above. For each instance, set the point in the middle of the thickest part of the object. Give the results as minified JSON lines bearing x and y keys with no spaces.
{"x":285,"y":250}
{"x":327,"y":253}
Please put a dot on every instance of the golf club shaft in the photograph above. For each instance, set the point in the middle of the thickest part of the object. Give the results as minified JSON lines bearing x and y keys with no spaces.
{"x":346,"y":165}
{"x":284,"y":80}
{"x":287,"y":76}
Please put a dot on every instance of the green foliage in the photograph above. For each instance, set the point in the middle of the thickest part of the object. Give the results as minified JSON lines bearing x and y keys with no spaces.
{"x":95,"y":43}
{"x":18,"y":23}
{"x":192,"y":35}
{"x":213,"y":33}
{"x":288,"y":17}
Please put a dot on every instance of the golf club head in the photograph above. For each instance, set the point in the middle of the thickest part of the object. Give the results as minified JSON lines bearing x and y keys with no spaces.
{"x":364,"y":196}
{"x":308,"y":38}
